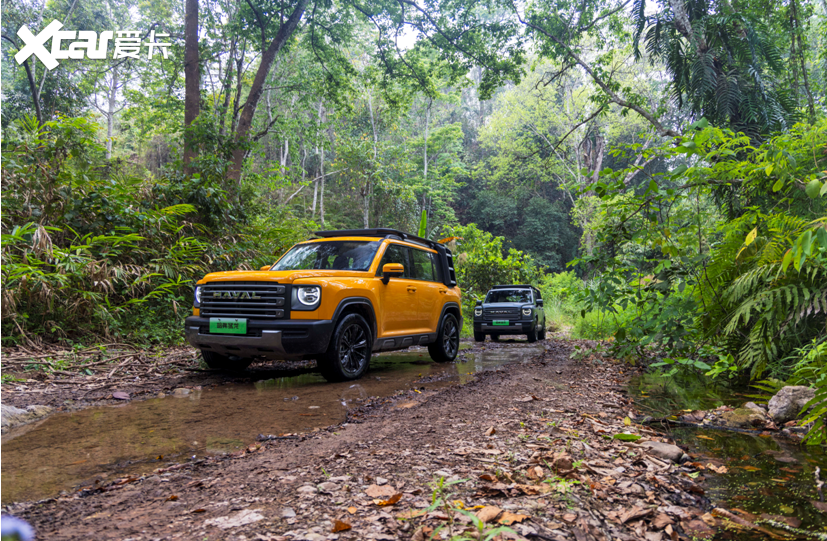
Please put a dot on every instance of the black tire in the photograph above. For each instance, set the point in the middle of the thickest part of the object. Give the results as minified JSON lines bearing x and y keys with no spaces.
{"x":479,"y":336}
{"x":532,"y":334}
{"x":495,"y":337}
{"x":348,"y":354}
{"x":224,"y":362}
{"x":542,"y":335}
{"x":446,"y":347}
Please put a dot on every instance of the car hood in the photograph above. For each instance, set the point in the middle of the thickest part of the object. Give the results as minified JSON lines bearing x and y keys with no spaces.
{"x":282,"y":277}
{"x":505,"y":304}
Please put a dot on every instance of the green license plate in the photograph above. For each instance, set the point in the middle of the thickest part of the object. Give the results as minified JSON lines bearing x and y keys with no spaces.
{"x":500,"y":322}
{"x":228,"y":325}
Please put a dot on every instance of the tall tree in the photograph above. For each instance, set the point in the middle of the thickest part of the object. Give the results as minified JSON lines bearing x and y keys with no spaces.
{"x":192,"y":78}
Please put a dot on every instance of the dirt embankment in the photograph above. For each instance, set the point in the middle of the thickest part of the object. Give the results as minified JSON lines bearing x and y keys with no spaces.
{"x":530,"y":446}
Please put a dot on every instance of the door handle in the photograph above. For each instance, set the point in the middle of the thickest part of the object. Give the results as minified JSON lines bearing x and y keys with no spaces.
{"x":411,"y":289}
{"x":443,"y":291}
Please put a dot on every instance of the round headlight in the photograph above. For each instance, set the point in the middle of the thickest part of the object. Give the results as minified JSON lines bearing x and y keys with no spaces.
{"x":309,"y":295}
{"x":526,"y":311}
{"x":197,"y":294}
{"x":477,"y":312}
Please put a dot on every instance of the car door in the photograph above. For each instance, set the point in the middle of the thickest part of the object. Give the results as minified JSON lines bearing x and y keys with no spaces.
{"x":398,"y":311}
{"x":428,"y":290}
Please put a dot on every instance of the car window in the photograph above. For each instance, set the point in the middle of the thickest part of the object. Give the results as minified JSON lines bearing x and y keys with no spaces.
{"x":395,"y":254}
{"x":334,"y":255}
{"x":423,"y":265}
{"x":508,"y":295}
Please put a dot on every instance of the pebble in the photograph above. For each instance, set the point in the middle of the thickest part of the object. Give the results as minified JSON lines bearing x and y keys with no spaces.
{"x":381,"y":481}
{"x":308,"y":489}
{"x":181,"y":391}
{"x":327,"y":486}
{"x":442,"y":473}
{"x":288,"y":512}
{"x":161,"y":395}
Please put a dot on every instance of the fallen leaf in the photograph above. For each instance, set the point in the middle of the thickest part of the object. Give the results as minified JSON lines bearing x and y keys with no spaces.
{"x":120,"y":395}
{"x":717,"y":469}
{"x":340,"y":526}
{"x":385,"y":491}
{"x":413,"y":513}
{"x":569,"y":517}
{"x":634,"y":513}
{"x":821,"y":506}
{"x":701,"y":436}
{"x":488,"y":477}
{"x":390,"y":501}
{"x":750,"y":468}
{"x":491,"y":431}
{"x":662,"y":521}
{"x":199,"y":510}
{"x":171,"y":498}
{"x":627,"y":437}
{"x":352,"y":510}
{"x":534,"y":473}
{"x":627,"y":421}
{"x":488,"y":513}
{"x":508,"y":518}
{"x":526,"y":398}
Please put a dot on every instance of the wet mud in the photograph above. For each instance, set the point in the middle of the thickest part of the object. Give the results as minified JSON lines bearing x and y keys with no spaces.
{"x":89,"y":446}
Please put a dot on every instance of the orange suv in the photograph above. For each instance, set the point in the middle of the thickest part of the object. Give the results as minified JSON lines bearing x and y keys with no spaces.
{"x":336,"y":299}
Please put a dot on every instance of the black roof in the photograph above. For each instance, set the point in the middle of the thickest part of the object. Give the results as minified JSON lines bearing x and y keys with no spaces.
{"x":514,"y":286}
{"x":379,"y":232}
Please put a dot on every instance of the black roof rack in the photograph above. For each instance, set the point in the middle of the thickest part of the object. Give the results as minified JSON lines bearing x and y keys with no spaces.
{"x":379,"y":232}
{"x":514,"y":286}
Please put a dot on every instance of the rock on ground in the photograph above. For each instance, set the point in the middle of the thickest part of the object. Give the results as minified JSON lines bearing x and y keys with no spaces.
{"x":13,"y":417}
{"x":664,"y":450}
{"x":788,"y":402}
{"x":743,"y":418}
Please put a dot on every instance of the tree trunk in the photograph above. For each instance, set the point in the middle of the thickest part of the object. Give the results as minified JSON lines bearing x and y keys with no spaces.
{"x":192,"y":80}
{"x":425,"y":149}
{"x":268,"y":56}
{"x":110,"y":111}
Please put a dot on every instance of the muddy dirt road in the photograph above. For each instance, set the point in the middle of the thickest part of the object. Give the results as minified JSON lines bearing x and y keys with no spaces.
{"x":82,"y":447}
{"x":528,"y":445}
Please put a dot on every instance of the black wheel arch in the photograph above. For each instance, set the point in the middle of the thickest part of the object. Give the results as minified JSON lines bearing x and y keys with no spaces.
{"x":450,"y":308}
{"x":358,"y":305}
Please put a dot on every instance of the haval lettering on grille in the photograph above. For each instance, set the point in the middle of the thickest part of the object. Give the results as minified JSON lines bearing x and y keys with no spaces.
{"x":336,"y":299}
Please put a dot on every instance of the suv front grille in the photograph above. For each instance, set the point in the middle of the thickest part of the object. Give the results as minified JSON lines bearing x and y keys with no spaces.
{"x":254,"y":300}
{"x":501,"y":311}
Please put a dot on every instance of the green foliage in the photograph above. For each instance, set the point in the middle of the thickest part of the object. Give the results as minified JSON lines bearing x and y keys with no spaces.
{"x":92,"y":250}
{"x":811,"y":369}
{"x":753,"y":285}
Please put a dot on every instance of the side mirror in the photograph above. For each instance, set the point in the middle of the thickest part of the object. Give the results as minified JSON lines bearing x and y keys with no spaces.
{"x":539,"y":302}
{"x":265,"y":268}
{"x":392,"y":270}
{"x":479,"y":303}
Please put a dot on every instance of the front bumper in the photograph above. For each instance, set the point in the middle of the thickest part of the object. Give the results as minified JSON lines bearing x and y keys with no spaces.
{"x":269,"y":339}
{"x":514,"y":327}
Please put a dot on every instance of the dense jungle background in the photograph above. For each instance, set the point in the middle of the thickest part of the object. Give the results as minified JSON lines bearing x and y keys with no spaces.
{"x":658,"y":169}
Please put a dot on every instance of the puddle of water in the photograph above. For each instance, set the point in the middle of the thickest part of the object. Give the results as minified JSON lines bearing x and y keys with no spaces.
{"x":764,"y":474}
{"x":94,"y":444}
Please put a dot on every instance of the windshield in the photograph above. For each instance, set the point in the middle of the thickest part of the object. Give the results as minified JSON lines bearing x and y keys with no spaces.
{"x":335,"y":255}
{"x":508,"y":295}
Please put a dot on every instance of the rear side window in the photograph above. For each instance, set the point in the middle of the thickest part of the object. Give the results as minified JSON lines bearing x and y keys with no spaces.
{"x":423,"y":265}
{"x":396,"y":254}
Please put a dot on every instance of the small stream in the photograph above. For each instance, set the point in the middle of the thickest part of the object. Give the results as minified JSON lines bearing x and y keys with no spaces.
{"x":765,"y":474}
{"x":89,"y":446}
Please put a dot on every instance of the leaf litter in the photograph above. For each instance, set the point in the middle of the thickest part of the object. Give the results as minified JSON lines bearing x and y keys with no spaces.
{"x":547,"y":471}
